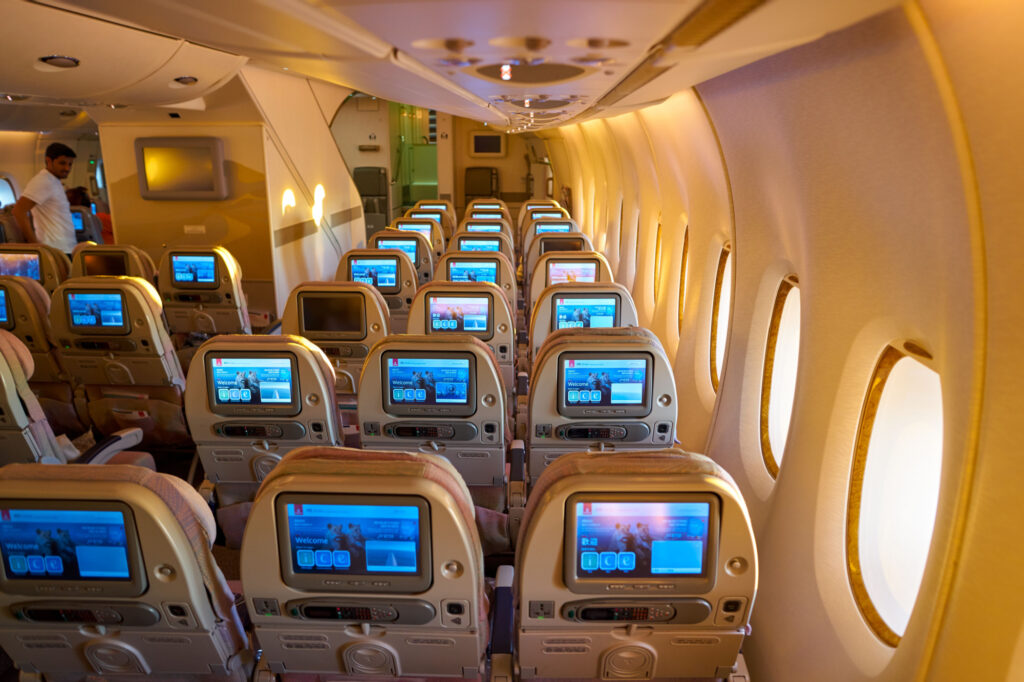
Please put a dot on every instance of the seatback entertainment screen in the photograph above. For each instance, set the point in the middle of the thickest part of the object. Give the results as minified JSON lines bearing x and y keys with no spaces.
{"x":77,"y":221}
{"x":408,"y":246}
{"x":108,"y":264}
{"x":479,"y":244}
{"x":96,"y":311}
{"x":561,"y":244}
{"x":473,"y":271}
{"x":378,"y":272}
{"x":336,"y":315}
{"x":20,"y":265}
{"x":5,"y":314}
{"x":486,"y":215}
{"x":428,"y":381}
{"x":248,"y":381}
{"x":459,"y":314}
{"x":198,"y":270}
{"x":483,"y":227}
{"x":604,"y":381}
{"x":560,"y":272}
{"x":549,"y":228}
{"x":422,"y":228}
{"x":585,"y":312}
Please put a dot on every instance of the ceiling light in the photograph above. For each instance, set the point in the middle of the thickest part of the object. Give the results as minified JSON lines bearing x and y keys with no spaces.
{"x":60,"y":61}
{"x":506,"y":72}
{"x":457,"y":60}
{"x":15,"y":98}
{"x":526,"y":103}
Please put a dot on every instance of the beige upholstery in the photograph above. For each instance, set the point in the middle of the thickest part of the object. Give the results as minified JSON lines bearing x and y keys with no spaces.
{"x":197,"y":634}
{"x":533,"y":205}
{"x":132,"y":378}
{"x":710,"y":613}
{"x":437,"y":205}
{"x":218,"y":307}
{"x":438,"y":237}
{"x":91,"y":259}
{"x":424,"y":259}
{"x":542,"y":321}
{"x":53,"y":264}
{"x":346,"y":346}
{"x":443,"y":218}
{"x":506,"y":274}
{"x":539,"y":278}
{"x":446,"y":644}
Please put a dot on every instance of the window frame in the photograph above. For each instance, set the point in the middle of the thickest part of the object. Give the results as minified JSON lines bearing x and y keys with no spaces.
{"x":716,"y":371}
{"x":786,"y":287}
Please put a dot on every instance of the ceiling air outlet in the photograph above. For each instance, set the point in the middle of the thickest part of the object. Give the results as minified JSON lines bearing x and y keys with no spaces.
{"x":530,"y":74}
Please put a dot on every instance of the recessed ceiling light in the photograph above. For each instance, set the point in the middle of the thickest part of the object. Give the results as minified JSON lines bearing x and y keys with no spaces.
{"x":60,"y":61}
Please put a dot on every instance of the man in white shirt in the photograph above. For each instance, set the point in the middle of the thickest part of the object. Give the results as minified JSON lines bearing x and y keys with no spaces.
{"x":44,"y":196}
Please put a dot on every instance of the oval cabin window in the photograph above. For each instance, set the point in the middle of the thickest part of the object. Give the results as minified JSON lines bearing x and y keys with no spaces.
{"x":778,"y":384}
{"x":894,"y":491}
{"x":720,"y":314}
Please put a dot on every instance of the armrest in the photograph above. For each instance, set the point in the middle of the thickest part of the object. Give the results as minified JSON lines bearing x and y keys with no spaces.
{"x":522,"y":383}
{"x":503,"y":624}
{"x":111,"y":445}
{"x":516,"y":489}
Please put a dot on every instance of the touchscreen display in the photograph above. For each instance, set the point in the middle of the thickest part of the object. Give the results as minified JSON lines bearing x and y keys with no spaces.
{"x":459,"y":313}
{"x":64,"y":544}
{"x":487,"y":206}
{"x":406,"y":245}
{"x":641,"y":539}
{"x":560,"y":272}
{"x":425,"y":230}
{"x":20,"y":264}
{"x":479,"y":244}
{"x":4,"y":317}
{"x":380,"y":272}
{"x":482,"y":227}
{"x":428,"y":381}
{"x":91,"y":311}
{"x":585,"y":312}
{"x":485,"y":215}
{"x":561,"y":244}
{"x":542,"y":215}
{"x":472,"y":271}
{"x":252,"y":381}
{"x":548,"y":228}
{"x":76,"y":220}
{"x":428,"y":215}
{"x":110,"y":264}
{"x":332,"y":313}
{"x":433,"y":207}
{"x":604,"y":381}
{"x":194,"y":269}
{"x":354,"y":539}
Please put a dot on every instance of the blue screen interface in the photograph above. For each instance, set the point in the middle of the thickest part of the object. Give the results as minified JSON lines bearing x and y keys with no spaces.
{"x":548,"y":228}
{"x":485,"y":215}
{"x":429,"y":215}
{"x":541,"y":215}
{"x":20,"y":265}
{"x":458,"y":313}
{"x":406,"y":245}
{"x":584,"y":312}
{"x":380,"y":272}
{"x":3,"y":306}
{"x":354,"y":539}
{"x":472,"y":271}
{"x":76,"y":219}
{"x":479,"y":244}
{"x":96,"y":310}
{"x":194,"y":269}
{"x":601,"y":382}
{"x":429,"y":381}
{"x":488,"y":207}
{"x":433,"y":207}
{"x":416,"y":227}
{"x":252,"y":381}
{"x":482,"y":227}
{"x":641,"y":539}
{"x":64,"y":544}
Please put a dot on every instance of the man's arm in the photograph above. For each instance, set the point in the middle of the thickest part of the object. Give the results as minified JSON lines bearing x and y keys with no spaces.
{"x":20,"y":212}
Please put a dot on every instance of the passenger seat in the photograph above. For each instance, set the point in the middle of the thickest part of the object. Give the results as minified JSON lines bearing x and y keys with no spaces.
{"x":113,"y":260}
{"x":45,"y":264}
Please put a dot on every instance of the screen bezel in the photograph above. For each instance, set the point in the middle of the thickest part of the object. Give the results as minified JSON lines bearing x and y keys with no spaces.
{"x":8,"y":311}
{"x":408,"y":225}
{"x":282,"y":410}
{"x":552,"y":261}
{"x":196,"y":285}
{"x":102,"y":253}
{"x":401,"y":410}
{"x":485,"y":226}
{"x":330,"y":336}
{"x":472,"y":150}
{"x":398,"y":270}
{"x":689,"y":584}
{"x":434,"y":215}
{"x":604,"y":411}
{"x":549,"y":239}
{"x":463,"y":259}
{"x":585,"y":297}
{"x":26,"y":252}
{"x":329,"y":582}
{"x":213,"y":145}
{"x":476,"y":238}
{"x":485,"y":335}
{"x":126,"y":325}
{"x":377,"y":239}
{"x":133,"y":587}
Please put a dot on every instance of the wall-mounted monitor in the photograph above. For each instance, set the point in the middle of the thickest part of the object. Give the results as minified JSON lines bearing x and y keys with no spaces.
{"x":20,"y":264}
{"x":585,"y":311}
{"x":483,"y":227}
{"x":6,"y":316}
{"x":486,"y":145}
{"x":181,"y":168}
{"x":562,"y":271}
{"x":109,"y":263}
{"x":335,"y":315}
{"x":549,"y":244}
{"x":637,"y":540}
{"x":194,"y":270}
{"x":408,"y":246}
{"x":477,"y":270}
{"x":381,"y":272}
{"x":353,"y":543}
{"x":604,"y":384}
{"x":468,"y":313}
{"x":429,"y":383}
{"x":50,"y":545}
{"x":479,"y":244}
{"x":96,"y":312}
{"x":253,"y":384}
{"x":425,"y":230}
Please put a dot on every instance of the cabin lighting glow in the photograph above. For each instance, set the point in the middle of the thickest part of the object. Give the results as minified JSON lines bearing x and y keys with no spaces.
{"x":318,"y":203}
{"x":526,"y":103}
{"x":506,"y":72}
{"x":287,"y":200}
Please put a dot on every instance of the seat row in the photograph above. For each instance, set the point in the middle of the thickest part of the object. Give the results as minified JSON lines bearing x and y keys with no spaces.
{"x":369,"y":563}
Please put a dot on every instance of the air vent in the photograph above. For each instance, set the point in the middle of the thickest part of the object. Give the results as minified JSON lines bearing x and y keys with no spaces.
{"x":532,"y":75}
{"x":540,"y":103}
{"x":597,"y":43}
{"x":60,"y":61}
{"x":530,"y":43}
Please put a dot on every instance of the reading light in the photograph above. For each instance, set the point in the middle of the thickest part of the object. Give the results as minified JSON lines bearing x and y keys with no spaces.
{"x":60,"y":61}
{"x":15,"y":98}
{"x":506,"y":72}
{"x":318,"y":203}
{"x":287,"y":201}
